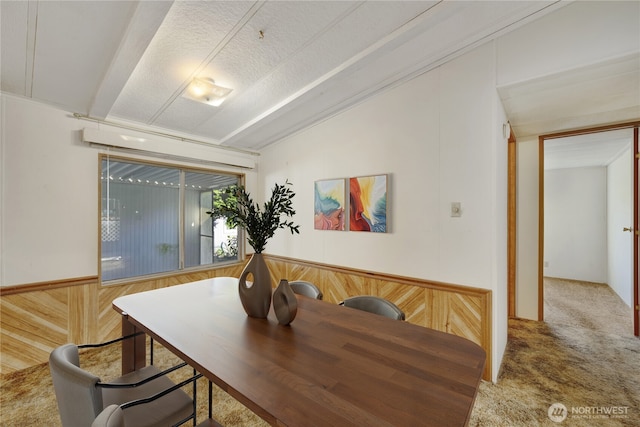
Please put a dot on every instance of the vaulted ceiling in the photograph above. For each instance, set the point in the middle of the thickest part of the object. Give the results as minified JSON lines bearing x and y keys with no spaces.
{"x":290,"y":63}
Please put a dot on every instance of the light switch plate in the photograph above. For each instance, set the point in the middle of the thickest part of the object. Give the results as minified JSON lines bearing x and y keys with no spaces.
{"x":456,"y":209}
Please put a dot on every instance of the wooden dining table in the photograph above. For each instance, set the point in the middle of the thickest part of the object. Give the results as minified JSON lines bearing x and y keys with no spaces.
{"x":332,"y":366}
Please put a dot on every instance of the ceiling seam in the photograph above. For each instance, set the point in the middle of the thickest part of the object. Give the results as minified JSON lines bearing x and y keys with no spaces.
{"x":216,"y":50}
{"x":389,"y":38}
{"x":32,"y":31}
{"x":417,"y":69}
{"x":302,"y":47}
{"x":106,"y":78}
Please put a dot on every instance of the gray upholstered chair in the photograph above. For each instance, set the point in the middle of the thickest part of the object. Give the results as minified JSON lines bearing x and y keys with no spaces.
{"x":81,"y":396}
{"x":376,"y":305}
{"x":114,"y":415}
{"x":111,"y":416}
{"x":307,"y":289}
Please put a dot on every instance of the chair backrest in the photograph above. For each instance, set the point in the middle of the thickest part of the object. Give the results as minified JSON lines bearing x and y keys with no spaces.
{"x":79,"y":400}
{"x":111,"y":416}
{"x":307,"y":289}
{"x":376,"y":305}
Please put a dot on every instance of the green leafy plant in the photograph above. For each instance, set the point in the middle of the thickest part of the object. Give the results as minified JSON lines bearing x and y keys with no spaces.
{"x":236,"y":205}
{"x":228,"y":249}
{"x":165,"y":248}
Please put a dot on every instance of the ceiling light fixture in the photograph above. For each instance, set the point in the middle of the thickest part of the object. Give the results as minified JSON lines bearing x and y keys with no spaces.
{"x":205,"y":90}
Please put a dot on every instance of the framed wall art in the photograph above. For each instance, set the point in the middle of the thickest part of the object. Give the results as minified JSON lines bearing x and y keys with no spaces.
{"x":368,"y":203}
{"x":329,"y":204}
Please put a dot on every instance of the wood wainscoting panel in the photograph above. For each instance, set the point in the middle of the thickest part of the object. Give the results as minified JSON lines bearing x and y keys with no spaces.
{"x":234,"y":270}
{"x":35,"y":321}
{"x":32,"y":324}
{"x":303,"y":272}
{"x":410,"y":299}
{"x":111,"y":322}
{"x":457,"y":314}
{"x":83,"y":306}
{"x":339,"y":286}
{"x":460,"y":310}
{"x":464,"y":314}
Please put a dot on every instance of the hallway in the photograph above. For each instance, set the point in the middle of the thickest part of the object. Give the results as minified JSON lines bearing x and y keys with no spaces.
{"x":592,"y":306}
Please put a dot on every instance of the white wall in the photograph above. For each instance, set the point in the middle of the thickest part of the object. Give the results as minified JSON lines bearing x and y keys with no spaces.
{"x":568,"y":38}
{"x":49,"y":217}
{"x":439,"y":137}
{"x":50,"y":196}
{"x":412,"y":133}
{"x":527,"y":229}
{"x":620,"y":215}
{"x":575,"y":224}
{"x":499,"y":205}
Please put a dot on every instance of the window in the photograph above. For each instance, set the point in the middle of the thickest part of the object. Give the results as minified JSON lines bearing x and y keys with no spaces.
{"x":154,"y":219}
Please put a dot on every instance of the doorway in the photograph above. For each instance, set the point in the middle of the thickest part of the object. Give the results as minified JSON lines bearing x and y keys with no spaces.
{"x":588,"y":220}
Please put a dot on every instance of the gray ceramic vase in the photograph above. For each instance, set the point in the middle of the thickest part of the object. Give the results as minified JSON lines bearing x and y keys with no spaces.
{"x":285,"y":303}
{"x":256,"y":297}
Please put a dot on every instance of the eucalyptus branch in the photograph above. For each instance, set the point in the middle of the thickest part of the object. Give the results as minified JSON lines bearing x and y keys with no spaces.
{"x":236,"y":205}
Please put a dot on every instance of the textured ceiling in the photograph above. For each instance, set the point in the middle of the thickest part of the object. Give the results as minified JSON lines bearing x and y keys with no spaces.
{"x":592,"y":150}
{"x":290,"y":63}
{"x":606,"y":92}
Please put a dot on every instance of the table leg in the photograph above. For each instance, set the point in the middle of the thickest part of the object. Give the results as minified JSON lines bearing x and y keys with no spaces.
{"x":133,"y":350}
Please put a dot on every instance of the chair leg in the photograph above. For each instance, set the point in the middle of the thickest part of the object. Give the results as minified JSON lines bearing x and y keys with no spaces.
{"x":195,"y":399}
{"x":210,"y":398}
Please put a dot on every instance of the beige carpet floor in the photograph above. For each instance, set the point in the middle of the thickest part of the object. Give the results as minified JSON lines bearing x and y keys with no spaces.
{"x":583,"y":357}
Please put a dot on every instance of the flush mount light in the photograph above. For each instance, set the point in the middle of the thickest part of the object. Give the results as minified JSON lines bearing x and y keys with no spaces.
{"x":205,"y":90}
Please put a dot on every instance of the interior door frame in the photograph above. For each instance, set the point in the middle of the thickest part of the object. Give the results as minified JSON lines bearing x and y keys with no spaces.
{"x":541,"y":139}
{"x":512,"y":225}
{"x":636,"y":232}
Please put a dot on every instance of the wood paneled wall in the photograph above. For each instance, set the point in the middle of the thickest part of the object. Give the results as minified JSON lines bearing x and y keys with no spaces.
{"x":35,"y":319}
{"x":459,"y":310}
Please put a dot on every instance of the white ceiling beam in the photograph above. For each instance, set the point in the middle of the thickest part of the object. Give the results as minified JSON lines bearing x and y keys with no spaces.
{"x":396,"y":58}
{"x":143,"y":26}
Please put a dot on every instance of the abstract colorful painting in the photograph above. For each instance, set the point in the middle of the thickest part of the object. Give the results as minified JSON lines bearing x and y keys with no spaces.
{"x":368,"y":203}
{"x":329,"y":204}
